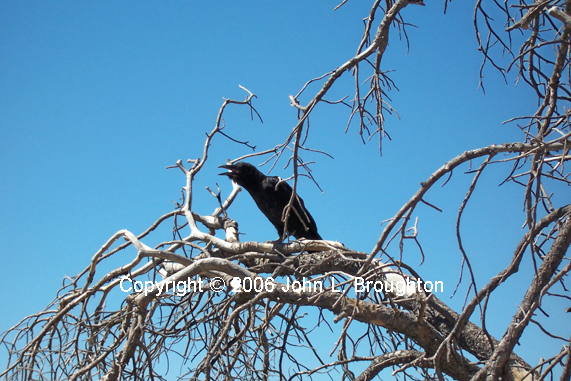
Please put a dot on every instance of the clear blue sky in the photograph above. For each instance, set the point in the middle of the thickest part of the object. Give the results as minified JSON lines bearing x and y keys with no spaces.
{"x":97,"y":98}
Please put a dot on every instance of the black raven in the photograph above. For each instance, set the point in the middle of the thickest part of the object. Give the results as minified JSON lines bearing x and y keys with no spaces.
{"x":272,"y":200}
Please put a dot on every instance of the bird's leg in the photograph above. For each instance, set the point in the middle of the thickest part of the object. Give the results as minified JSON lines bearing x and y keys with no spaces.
{"x":276,"y":241}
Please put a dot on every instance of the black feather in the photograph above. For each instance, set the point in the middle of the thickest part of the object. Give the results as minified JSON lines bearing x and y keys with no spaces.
{"x":272,"y":201}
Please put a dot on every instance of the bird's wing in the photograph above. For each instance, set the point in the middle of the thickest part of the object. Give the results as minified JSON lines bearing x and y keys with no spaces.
{"x":308,"y":228}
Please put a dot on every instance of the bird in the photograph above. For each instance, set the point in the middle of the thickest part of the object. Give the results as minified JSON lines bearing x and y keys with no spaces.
{"x":272,"y":200}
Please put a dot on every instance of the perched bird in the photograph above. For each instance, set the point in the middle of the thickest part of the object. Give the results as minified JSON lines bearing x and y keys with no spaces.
{"x":272,"y":201}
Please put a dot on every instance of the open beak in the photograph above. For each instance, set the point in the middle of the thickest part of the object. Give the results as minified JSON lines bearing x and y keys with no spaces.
{"x":231,"y":171}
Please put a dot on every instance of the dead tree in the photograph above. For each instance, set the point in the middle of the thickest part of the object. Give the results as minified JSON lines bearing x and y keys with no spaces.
{"x":225,"y":309}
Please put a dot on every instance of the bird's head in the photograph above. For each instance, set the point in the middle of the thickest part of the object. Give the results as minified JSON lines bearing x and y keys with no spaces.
{"x":243,"y":174}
